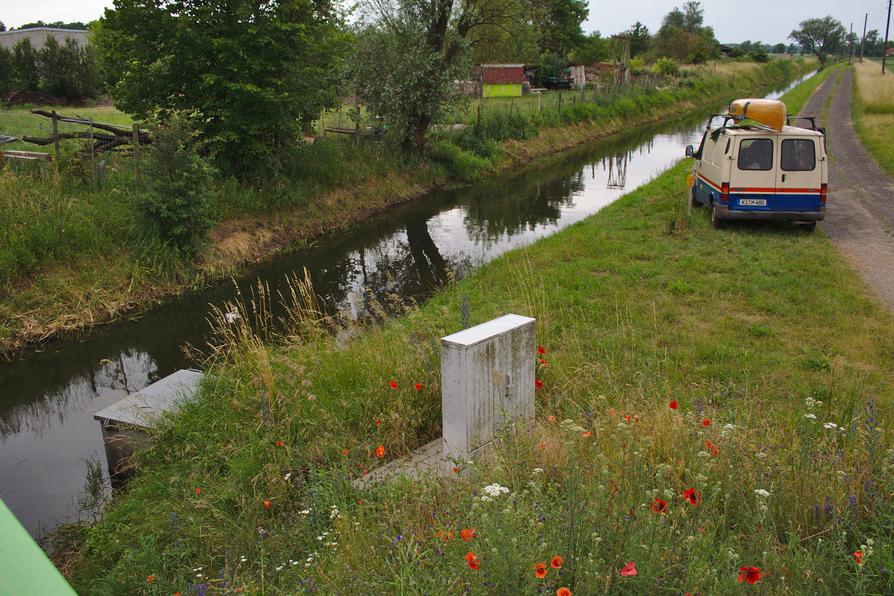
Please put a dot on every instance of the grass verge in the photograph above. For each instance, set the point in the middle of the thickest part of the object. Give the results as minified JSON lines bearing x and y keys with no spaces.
{"x":873,"y":112}
{"x":782,"y":427}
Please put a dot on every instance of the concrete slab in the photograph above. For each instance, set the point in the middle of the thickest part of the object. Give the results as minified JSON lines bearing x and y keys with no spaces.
{"x":144,"y":408}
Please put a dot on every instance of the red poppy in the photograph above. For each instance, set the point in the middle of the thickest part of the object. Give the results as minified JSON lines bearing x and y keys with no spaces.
{"x":673,"y":405}
{"x":344,"y":452}
{"x":551,"y":418}
{"x":659,"y":505}
{"x":267,"y":504}
{"x":541,"y":350}
{"x":472,"y":560}
{"x":150,"y":579}
{"x":586,"y":434}
{"x":392,"y":384}
{"x":712,"y":448}
{"x":467,"y":534}
{"x":636,"y":418}
{"x":198,"y":490}
{"x":542,"y":362}
{"x":440,"y":533}
{"x":627,"y":418}
{"x":456,"y":469}
{"x":542,"y":445}
{"x":752,"y":575}
{"x":538,"y":383}
{"x":706,"y":422}
{"x":380,"y":451}
{"x":858,"y":557}
{"x":418,"y":386}
{"x":563,"y":592}
{"x":378,"y":422}
{"x":693,"y":496}
{"x":556,"y":562}
{"x":539,"y":570}
{"x":628,"y":570}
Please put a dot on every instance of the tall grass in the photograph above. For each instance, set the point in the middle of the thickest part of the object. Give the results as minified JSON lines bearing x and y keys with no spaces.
{"x":873,"y":111}
{"x":741,"y":328}
{"x":876,"y":90}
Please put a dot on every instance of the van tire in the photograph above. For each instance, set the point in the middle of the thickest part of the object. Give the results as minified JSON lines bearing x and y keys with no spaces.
{"x":716,"y":222}
{"x":692,"y":200}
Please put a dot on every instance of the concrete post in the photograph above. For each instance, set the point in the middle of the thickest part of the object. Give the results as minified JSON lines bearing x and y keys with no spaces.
{"x":487,"y":381}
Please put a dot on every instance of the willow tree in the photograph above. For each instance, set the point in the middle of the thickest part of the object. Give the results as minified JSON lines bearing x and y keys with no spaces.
{"x":411,"y":53}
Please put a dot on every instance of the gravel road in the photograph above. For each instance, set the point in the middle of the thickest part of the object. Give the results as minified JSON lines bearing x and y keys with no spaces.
{"x":860,"y":211}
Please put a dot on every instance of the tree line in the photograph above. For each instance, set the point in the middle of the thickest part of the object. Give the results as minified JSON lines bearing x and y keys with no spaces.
{"x":64,"y":70}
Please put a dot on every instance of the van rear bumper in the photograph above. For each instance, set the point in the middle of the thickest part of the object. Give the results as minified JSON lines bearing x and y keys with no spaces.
{"x":724,"y":212}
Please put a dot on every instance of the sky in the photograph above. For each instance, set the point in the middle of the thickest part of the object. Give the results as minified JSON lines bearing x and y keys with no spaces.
{"x":769,"y":21}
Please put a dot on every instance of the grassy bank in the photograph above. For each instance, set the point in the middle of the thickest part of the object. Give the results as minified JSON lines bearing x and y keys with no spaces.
{"x":873,"y":111}
{"x":676,"y":357}
{"x":76,"y":257}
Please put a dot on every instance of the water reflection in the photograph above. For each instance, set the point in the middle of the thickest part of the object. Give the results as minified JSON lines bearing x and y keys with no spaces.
{"x":47,"y":400}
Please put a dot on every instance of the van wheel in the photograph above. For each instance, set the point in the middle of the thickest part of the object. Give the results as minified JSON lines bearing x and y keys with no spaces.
{"x":716,"y":222}
{"x":692,"y":200}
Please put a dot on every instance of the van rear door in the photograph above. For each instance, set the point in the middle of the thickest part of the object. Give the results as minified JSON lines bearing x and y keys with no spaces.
{"x":799,"y":175}
{"x":753,"y":174}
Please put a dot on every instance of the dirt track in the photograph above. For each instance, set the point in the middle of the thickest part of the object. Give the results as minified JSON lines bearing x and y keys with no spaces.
{"x":860,"y":216}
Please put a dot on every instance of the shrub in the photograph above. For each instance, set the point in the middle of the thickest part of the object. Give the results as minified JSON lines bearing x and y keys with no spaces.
{"x":176,"y":198}
{"x":759,"y":54}
{"x":5,"y":70}
{"x":638,"y":65}
{"x":461,"y":164}
{"x":667,"y":67}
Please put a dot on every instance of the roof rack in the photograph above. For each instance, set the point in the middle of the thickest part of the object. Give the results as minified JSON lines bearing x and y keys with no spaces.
{"x":811,"y":119}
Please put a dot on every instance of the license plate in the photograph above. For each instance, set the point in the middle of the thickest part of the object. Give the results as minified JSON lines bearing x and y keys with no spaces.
{"x":753,"y":202}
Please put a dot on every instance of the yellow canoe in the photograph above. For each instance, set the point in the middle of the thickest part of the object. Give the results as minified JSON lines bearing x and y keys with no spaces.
{"x":766,"y":111}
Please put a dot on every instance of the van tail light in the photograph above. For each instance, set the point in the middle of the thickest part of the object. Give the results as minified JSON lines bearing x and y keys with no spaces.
{"x":824,"y":191}
{"x":724,"y":192}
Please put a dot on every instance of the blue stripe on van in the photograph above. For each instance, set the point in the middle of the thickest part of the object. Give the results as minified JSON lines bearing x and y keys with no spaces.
{"x":777,"y":202}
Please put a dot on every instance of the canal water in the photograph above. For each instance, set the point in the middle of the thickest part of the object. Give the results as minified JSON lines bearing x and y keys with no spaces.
{"x":48,"y":398}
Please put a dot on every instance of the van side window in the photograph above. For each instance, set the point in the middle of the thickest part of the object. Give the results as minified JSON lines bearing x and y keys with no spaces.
{"x":798,"y":155}
{"x":756,"y":154}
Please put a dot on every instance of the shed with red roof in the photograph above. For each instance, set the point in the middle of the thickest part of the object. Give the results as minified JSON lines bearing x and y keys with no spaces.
{"x":502,"y":80}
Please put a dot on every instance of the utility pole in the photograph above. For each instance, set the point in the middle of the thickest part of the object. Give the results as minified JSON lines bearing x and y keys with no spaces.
{"x":850,"y":37}
{"x":887,"y":30}
{"x":863,"y":43}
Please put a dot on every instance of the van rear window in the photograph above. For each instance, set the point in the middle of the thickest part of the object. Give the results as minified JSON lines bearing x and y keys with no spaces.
{"x":756,"y":154}
{"x":798,"y":155}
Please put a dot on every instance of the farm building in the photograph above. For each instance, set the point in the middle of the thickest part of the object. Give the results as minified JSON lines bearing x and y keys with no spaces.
{"x":38,"y":36}
{"x":502,"y":80}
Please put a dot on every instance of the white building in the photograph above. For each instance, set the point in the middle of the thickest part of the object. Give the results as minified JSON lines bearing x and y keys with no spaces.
{"x":38,"y":36}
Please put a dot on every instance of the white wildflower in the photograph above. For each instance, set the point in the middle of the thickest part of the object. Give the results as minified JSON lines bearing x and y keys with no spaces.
{"x":762,"y":493}
{"x":729,"y":426}
{"x":232,"y":317}
{"x":760,"y":455}
{"x":495,"y":490}
{"x":538,"y":471}
{"x":830,"y":425}
{"x":810,"y":416}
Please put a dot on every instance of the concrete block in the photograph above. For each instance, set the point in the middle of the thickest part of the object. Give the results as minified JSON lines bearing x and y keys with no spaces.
{"x":487,"y":381}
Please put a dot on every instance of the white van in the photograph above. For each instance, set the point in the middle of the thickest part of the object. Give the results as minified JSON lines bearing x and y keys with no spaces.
{"x":757,"y":172}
